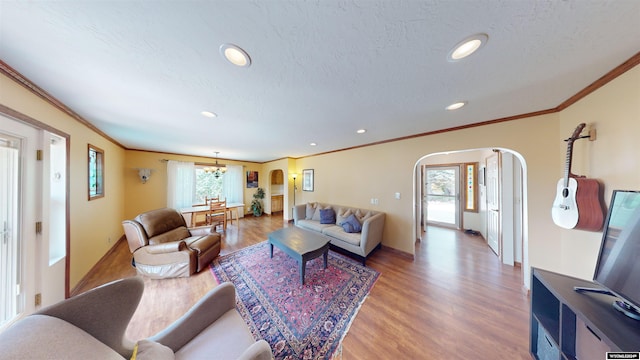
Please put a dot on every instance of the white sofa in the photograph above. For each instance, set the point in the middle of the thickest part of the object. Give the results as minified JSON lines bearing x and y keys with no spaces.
{"x":361,"y":244}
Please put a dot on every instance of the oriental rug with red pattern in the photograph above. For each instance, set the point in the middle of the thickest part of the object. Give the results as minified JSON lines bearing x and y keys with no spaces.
{"x":299,"y":321}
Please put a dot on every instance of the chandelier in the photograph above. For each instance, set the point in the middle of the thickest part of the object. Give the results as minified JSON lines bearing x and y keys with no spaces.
{"x":217,"y":170}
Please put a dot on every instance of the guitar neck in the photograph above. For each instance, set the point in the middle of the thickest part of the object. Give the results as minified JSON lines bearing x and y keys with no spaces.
{"x":567,"y":167}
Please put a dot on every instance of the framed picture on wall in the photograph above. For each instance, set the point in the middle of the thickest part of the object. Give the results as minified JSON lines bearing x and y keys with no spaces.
{"x":252,"y":179}
{"x":307,"y":180}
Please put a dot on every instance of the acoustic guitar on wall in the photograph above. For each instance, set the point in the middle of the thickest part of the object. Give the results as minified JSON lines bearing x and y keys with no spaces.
{"x":577,"y":204}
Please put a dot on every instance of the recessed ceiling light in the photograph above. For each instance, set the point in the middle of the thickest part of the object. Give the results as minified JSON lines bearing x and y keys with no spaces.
{"x":208,"y":114}
{"x":467,"y":47}
{"x":361,"y":131}
{"x":456,"y":106}
{"x":235,"y":55}
{"x":313,"y":144}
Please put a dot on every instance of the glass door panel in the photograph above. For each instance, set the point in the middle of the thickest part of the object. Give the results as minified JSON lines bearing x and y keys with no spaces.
{"x":442,"y":193}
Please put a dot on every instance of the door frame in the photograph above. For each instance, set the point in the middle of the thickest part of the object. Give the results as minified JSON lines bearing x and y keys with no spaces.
{"x":417,"y":199}
{"x":458,"y":222}
{"x":40,"y":126}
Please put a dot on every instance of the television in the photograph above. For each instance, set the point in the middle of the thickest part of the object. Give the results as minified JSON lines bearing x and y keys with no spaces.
{"x":618,"y":266}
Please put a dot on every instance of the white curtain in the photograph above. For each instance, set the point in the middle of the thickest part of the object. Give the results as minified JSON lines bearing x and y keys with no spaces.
{"x":180,"y":184}
{"x":232,"y":184}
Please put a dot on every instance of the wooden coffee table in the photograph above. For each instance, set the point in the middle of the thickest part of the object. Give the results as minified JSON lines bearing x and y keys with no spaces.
{"x":301,"y":245}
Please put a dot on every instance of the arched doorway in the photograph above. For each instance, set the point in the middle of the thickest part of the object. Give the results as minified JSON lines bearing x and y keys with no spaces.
{"x":513,"y":197}
{"x":276,"y":191}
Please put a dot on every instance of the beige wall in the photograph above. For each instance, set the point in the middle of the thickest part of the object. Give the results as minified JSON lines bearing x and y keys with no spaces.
{"x":381,"y":170}
{"x":614,"y":110}
{"x":355,"y":176}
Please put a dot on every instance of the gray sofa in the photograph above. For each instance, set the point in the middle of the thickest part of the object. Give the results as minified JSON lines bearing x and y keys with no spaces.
{"x":308,"y":216}
{"x":92,"y":326}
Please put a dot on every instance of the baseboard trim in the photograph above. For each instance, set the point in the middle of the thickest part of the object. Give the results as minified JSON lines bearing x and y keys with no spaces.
{"x":84,"y":279}
{"x":399,"y":253}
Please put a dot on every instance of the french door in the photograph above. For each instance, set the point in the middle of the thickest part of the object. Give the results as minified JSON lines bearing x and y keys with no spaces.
{"x":442,"y":195}
{"x":18,"y":174}
{"x":33,"y":213}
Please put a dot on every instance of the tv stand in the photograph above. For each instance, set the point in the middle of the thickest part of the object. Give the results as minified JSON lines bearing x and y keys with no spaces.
{"x":593,"y":290}
{"x":619,"y":305}
{"x":568,"y":323}
{"x":626,"y":309}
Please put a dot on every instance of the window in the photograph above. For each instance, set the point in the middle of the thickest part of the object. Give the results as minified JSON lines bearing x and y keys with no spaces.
{"x":471,"y":187}
{"x":207,"y":185}
{"x":96,"y":172}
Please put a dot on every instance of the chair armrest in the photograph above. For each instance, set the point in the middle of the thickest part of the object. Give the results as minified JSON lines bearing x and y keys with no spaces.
{"x":205,"y":312}
{"x":201,"y":231}
{"x":164,"y":248}
{"x":372,"y":229}
{"x":299,"y":213}
{"x":103,"y":312}
{"x":260,"y":350}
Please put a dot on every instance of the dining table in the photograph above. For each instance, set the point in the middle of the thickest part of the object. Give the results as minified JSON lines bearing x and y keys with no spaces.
{"x":203,"y":209}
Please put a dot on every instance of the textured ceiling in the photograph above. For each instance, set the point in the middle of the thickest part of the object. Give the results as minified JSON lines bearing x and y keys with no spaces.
{"x":142,"y":71}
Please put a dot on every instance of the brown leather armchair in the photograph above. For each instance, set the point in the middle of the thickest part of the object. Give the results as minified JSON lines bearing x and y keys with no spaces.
{"x":163,"y":246}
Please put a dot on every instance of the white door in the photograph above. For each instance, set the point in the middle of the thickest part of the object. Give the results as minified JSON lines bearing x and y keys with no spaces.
{"x":31,"y":191}
{"x":19,"y":188}
{"x":493,"y":202}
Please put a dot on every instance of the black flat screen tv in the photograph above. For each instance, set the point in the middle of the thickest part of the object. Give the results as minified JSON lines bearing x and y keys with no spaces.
{"x":618,"y":266}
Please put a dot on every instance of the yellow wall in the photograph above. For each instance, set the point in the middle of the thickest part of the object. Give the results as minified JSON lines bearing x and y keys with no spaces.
{"x":153,"y":195}
{"x":355,"y":176}
{"x":95,"y":225}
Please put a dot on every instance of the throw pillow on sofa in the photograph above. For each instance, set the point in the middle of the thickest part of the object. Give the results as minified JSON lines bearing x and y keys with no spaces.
{"x":310,"y":210}
{"x":351,"y":225}
{"x":342,"y":214}
{"x":316,"y":215}
{"x":327,"y":216}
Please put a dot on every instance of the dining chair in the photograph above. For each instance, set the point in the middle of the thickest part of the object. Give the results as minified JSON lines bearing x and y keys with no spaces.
{"x":217,"y":214}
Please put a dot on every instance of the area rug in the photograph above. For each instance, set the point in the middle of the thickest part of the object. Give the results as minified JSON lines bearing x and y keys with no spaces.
{"x":299,"y":321}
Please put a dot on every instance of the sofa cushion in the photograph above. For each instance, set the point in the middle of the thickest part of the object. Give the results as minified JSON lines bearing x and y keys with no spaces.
{"x":313,"y":225}
{"x":151,"y":350}
{"x":327,"y":216}
{"x":176,"y":234}
{"x":48,"y":337}
{"x":337,"y":232}
{"x":351,"y":224}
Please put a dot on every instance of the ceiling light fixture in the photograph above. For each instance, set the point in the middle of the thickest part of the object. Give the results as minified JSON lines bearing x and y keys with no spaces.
{"x":467,"y":47}
{"x":209,"y":114}
{"x":313,"y":144}
{"x":217,"y":170}
{"x":361,"y":131}
{"x":235,"y":55}
{"x":456,"y":106}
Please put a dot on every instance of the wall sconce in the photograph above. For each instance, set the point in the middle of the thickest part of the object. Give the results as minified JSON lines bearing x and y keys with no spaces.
{"x":144,"y":174}
{"x":294,"y":176}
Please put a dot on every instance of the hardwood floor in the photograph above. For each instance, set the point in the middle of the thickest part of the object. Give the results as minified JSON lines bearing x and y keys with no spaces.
{"x":455,"y":300}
